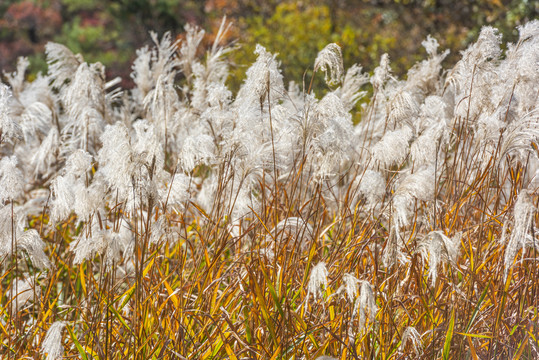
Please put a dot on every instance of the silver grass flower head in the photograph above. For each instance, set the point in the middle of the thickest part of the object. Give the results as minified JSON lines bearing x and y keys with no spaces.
{"x":523,"y":214}
{"x":431,"y":45}
{"x":420,"y":186}
{"x":189,"y":47}
{"x":52,"y":345}
{"x":317,"y":280}
{"x":437,"y":247}
{"x":36,"y":120}
{"x":293,"y":226}
{"x":487,"y":47}
{"x":9,"y":129}
{"x":88,"y":199}
{"x":372,"y":185}
{"x":529,"y":30}
{"x":410,"y":334}
{"x":263,"y":77}
{"x":367,"y":305}
{"x":31,"y":242}
{"x":6,"y":229}
{"x":90,"y":242}
{"x":177,"y":192}
{"x":518,"y":136}
{"x":85,"y":90}
{"x":16,"y":79}
{"x":349,"y":91}
{"x":63,"y":198}
{"x":78,"y":163}
{"x":433,"y":110}
{"x":330,"y":61}
{"x":403,"y":108}
{"x":11,"y":179}
{"x":62,"y":63}
{"x":424,"y":149}
{"x":164,"y":59}
{"x":142,"y":74}
{"x":350,"y":287}
{"x":148,"y":146}
{"x":162,"y":232}
{"x":325,"y":358}
{"x":116,"y":158}
{"x":381,"y":73}
{"x":393,"y":148}
{"x":21,"y":292}
{"x":197,"y":150}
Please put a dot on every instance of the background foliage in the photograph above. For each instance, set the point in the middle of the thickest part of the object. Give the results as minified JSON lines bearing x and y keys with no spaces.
{"x":110,"y":32}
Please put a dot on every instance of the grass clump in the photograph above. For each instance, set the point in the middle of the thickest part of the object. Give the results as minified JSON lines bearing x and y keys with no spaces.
{"x":176,"y":220}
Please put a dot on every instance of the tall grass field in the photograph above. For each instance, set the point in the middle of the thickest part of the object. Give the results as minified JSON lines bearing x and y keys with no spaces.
{"x":346,"y":215}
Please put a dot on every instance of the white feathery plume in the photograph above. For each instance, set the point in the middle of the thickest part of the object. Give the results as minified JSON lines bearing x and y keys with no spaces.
{"x":52,"y":345}
{"x":6,"y":230}
{"x":62,"y":198}
{"x":36,"y":119}
{"x":424,"y":149}
{"x":393,"y":148}
{"x":31,"y":242}
{"x":349,"y":90}
{"x":62,"y":63}
{"x":349,"y":286}
{"x":78,"y":163}
{"x":21,"y":292}
{"x":518,"y":136}
{"x":420,"y":186}
{"x":410,"y":334}
{"x":160,"y":105}
{"x":84,"y":100}
{"x":116,"y":159}
{"x":263,"y":77}
{"x":317,"y":281}
{"x":196,"y":150}
{"x":424,"y":77}
{"x":47,"y":153}
{"x":437,"y":247}
{"x":431,"y":45}
{"x":372,"y":185}
{"x":148,"y":147}
{"x":367,"y":305}
{"x":90,"y":242}
{"x":86,"y":89}
{"x":189,"y":47}
{"x":293,"y":226}
{"x":330,"y":61}
{"x":9,"y":129}
{"x":69,"y":191}
{"x":11,"y":179}
{"x":381,"y":73}
{"x":164,"y":60}
{"x":521,"y":235}
{"x":16,"y":79}
{"x":486,"y":48}
{"x":403,"y":108}
{"x":213,"y":72}
{"x":150,"y":65}
{"x":433,"y":109}
{"x":177,"y":192}
{"x":142,"y":72}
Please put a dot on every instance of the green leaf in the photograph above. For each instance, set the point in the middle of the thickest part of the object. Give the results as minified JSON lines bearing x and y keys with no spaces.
{"x":477,"y":307}
{"x":77,"y":344}
{"x":449,"y":336}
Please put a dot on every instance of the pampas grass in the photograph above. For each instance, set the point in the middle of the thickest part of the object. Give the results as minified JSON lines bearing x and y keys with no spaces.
{"x":177,"y":220}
